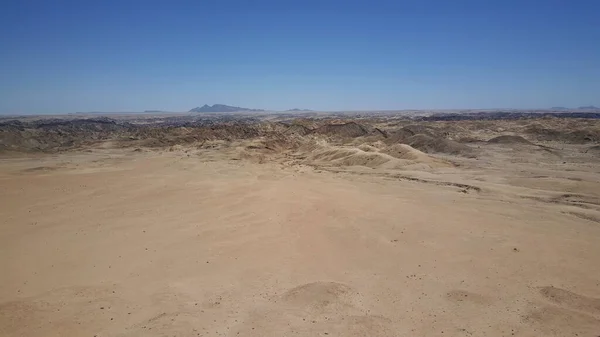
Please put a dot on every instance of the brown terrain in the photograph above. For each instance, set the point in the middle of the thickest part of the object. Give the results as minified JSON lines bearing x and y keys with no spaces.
{"x":283,"y":225}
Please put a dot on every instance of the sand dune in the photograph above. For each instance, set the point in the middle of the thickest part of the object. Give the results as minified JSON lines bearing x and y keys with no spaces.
{"x":509,"y":139}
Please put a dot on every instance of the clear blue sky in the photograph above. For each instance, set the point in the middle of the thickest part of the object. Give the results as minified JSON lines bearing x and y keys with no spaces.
{"x":106,"y":55}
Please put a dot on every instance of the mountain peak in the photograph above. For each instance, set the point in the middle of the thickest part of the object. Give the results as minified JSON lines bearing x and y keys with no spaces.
{"x":221,"y":108}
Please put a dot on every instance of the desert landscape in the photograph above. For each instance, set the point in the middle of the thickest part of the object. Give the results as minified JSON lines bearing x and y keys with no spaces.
{"x":300,"y":224}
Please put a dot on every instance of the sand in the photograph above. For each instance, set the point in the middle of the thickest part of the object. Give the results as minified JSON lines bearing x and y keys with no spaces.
{"x":206,"y":242}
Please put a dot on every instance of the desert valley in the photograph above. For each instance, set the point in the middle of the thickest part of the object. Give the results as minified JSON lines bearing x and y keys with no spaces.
{"x":300,"y":224}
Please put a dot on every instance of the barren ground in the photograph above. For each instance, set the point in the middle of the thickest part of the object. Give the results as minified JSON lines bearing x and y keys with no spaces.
{"x":336,"y":233}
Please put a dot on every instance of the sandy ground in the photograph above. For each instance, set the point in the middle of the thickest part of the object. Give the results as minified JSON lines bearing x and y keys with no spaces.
{"x":122,"y":243}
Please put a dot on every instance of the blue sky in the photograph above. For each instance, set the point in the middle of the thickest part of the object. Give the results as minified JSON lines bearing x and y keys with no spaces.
{"x":67,"y":56}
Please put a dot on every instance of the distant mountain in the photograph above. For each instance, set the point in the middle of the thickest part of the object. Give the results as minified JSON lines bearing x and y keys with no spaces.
{"x":153,"y":111}
{"x":221,"y":108}
{"x":296,"y":110}
{"x":559,"y":108}
{"x":589,"y":107}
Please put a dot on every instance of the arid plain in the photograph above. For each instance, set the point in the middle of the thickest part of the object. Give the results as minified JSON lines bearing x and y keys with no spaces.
{"x":300,"y":226}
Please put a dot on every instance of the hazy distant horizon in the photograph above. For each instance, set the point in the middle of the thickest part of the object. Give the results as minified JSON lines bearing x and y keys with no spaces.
{"x":282,"y":111}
